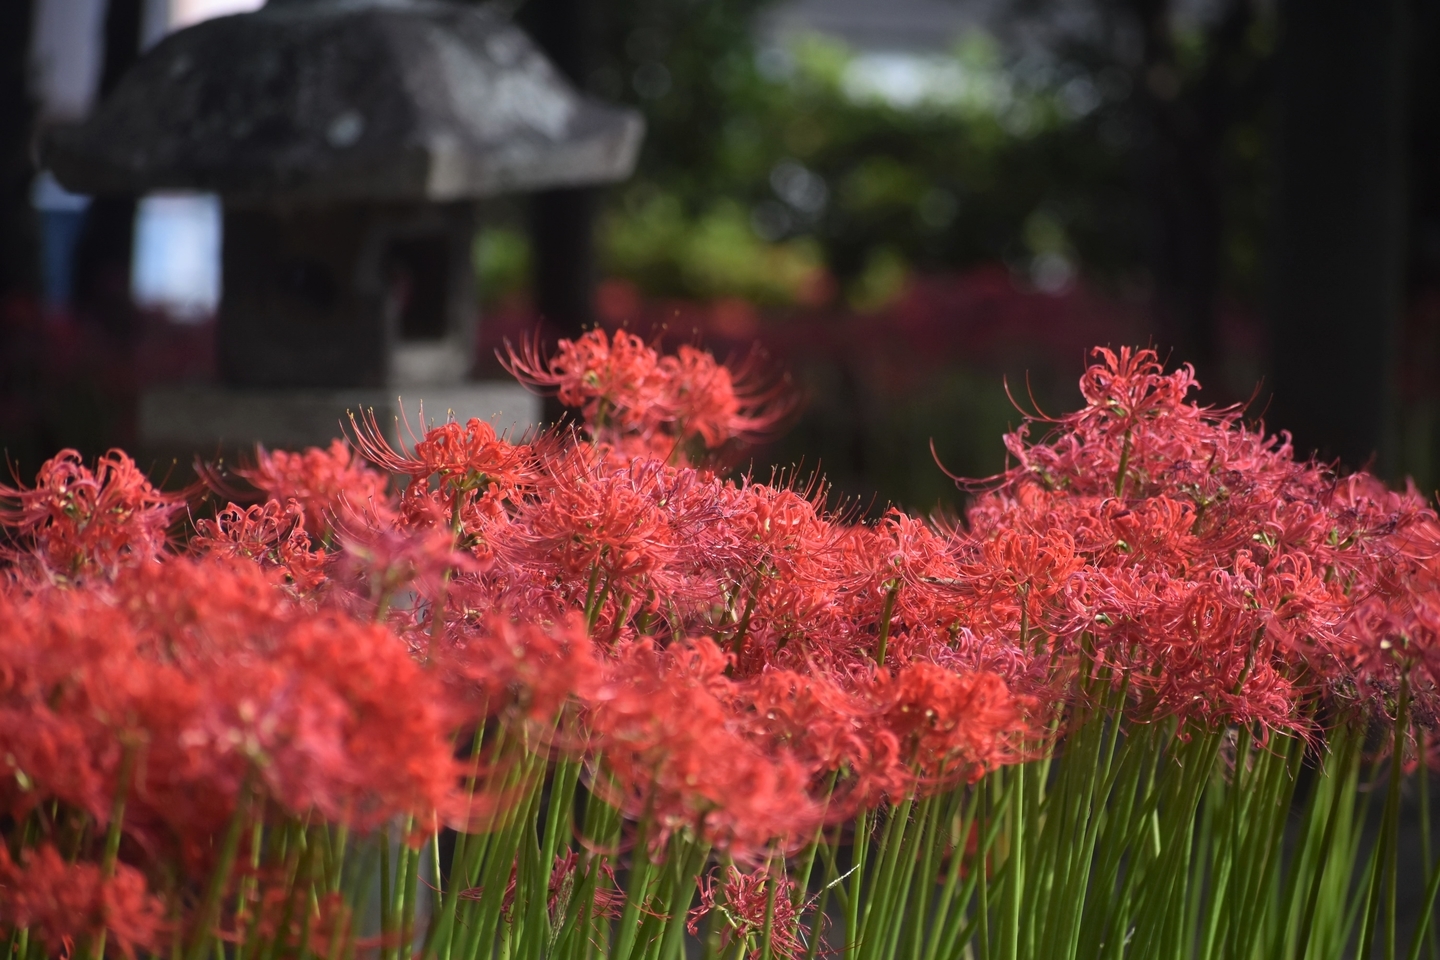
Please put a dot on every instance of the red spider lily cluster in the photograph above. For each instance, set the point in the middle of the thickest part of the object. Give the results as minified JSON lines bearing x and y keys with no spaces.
{"x":724,"y":662}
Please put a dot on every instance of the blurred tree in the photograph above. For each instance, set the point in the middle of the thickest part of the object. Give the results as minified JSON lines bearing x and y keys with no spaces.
{"x":102,"y":254}
{"x":1131,"y":148}
{"x":1195,"y":126}
{"x":1194,"y":94}
{"x":1419,"y":388}
{"x":1340,"y":225}
{"x":562,"y":222}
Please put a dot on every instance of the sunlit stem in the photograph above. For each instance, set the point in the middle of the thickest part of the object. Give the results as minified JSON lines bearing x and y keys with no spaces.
{"x":1120,"y":474}
{"x":592,"y":616}
{"x":117,"y":813}
{"x":590,"y":589}
{"x":1426,"y":931}
{"x":220,"y":875}
{"x":1397,"y":766}
{"x":859,"y":846}
{"x":299,"y":885}
{"x":113,"y":832}
{"x":802,"y":878}
{"x":767,"y":933}
{"x":407,"y":887}
{"x":437,"y":615}
{"x":638,"y":887}
{"x":387,"y":917}
{"x":737,"y":644}
{"x":1382,"y":880}
{"x":886,"y":612}
{"x":624,"y":616}
{"x":342,"y":837}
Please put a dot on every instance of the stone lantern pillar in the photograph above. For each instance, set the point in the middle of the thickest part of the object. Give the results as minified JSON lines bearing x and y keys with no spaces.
{"x":349,"y":140}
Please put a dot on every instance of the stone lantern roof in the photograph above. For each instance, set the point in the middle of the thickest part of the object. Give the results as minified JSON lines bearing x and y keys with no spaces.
{"x":347,"y":100}
{"x":349,"y":140}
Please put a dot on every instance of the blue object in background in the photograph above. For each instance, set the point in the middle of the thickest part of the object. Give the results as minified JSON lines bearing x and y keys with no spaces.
{"x":176,"y":265}
{"x":62,"y":215}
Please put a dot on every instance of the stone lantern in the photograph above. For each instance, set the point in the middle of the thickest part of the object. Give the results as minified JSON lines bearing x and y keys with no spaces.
{"x":348,"y":140}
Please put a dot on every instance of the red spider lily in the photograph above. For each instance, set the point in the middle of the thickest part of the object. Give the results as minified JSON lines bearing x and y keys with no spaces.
{"x":519,"y":669}
{"x":674,"y":751}
{"x":852,"y":757}
{"x":638,"y":403}
{"x":748,"y":904}
{"x":728,"y":661}
{"x":602,"y":533}
{"x":75,"y":516}
{"x":704,"y":399}
{"x":1221,"y":575}
{"x":209,"y":669}
{"x":270,"y":534}
{"x":463,"y":458}
{"x":273,"y":917}
{"x":67,"y":904}
{"x":77,"y":694}
{"x":952,"y":726}
{"x":565,"y":874}
{"x":617,"y":384}
{"x":380,"y":561}
{"x":327,"y":483}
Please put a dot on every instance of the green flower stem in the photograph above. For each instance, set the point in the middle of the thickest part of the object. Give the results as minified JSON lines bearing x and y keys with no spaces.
{"x":881,"y":890}
{"x":807,"y":860}
{"x":1427,"y":912}
{"x":1131,"y":787}
{"x":1336,"y":788}
{"x":475,"y":868}
{"x":113,"y":833}
{"x":501,"y":859}
{"x":887,"y":935}
{"x":767,"y":932}
{"x":822,"y":902}
{"x":858,"y":847}
{"x":220,"y":875}
{"x":387,"y":900}
{"x":299,"y":855}
{"x":993,"y":812}
{"x":637,"y":891}
{"x":1082,"y":791}
{"x":920,"y":896}
{"x":406,"y":872}
{"x":1382,"y":881}
{"x":1427,"y":849}
{"x":583,"y":933}
{"x":672,"y":945}
{"x":887,"y":612}
{"x":943,"y":932}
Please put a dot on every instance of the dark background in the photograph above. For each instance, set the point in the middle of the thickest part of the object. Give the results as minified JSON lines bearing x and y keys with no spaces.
{"x":1247,"y":186}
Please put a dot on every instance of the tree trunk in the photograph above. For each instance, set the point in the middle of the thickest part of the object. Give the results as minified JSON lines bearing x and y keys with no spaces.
{"x":562,"y":222}
{"x":19,"y":229}
{"x":103,"y":252}
{"x":1338,"y":239}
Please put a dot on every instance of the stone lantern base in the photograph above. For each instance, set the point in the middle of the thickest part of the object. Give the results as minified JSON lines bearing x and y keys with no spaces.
{"x":215,"y":421}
